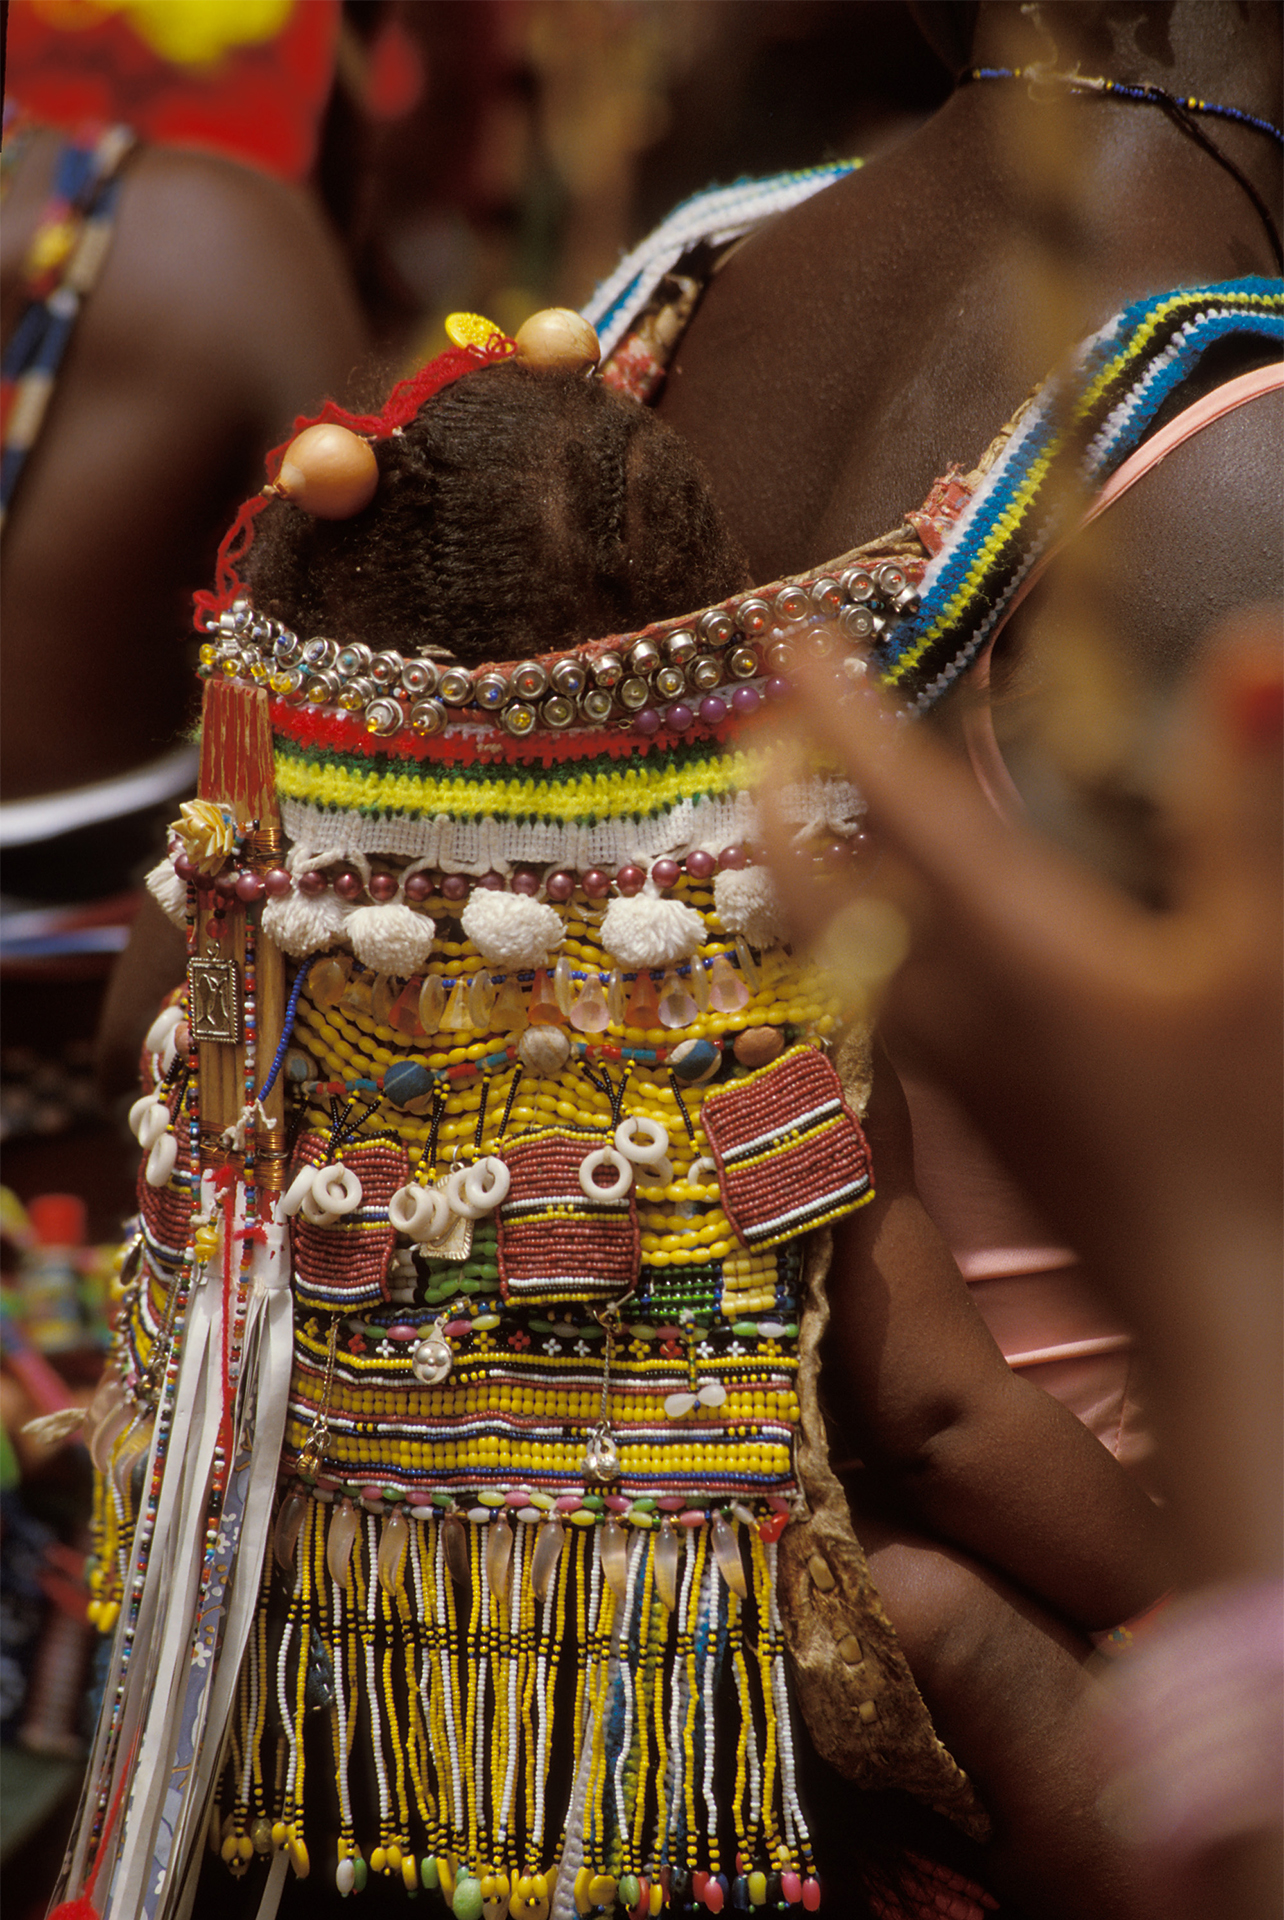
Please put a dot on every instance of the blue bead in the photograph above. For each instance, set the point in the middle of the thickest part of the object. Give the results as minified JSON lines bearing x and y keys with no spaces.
{"x":406,"y":1080}
{"x":740,"y":1894}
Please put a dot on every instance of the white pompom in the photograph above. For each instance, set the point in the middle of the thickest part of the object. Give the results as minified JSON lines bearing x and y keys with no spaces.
{"x":168,"y":891}
{"x":745,"y":900}
{"x":390,"y":938}
{"x":303,"y":923}
{"x":510,"y":929}
{"x":649,"y":931}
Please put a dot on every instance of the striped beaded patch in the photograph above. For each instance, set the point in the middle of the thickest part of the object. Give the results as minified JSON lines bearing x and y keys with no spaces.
{"x":789,"y":1150}
{"x":554,"y":1242}
{"x":345,"y":1265}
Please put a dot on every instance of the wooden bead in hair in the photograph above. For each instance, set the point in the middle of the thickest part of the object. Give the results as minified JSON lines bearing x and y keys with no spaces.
{"x":557,"y":340}
{"x":329,"y":472}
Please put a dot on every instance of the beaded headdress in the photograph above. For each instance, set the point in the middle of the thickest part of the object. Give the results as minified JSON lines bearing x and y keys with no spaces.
{"x":460,"y":1464}
{"x":465,"y":1302}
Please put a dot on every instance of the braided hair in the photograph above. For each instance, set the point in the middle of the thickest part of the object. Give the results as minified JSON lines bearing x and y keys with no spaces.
{"x":519,"y":511}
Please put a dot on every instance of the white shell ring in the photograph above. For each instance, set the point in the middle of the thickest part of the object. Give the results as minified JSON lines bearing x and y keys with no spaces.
{"x":646,"y":1153}
{"x":601,"y":1158}
{"x":337,"y":1189}
{"x":487,"y":1184}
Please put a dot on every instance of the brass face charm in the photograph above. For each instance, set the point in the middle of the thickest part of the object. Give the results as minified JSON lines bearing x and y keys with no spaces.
{"x":214,"y":991}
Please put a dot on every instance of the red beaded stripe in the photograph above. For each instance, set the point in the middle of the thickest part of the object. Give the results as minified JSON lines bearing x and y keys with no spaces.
{"x":789,"y":1151}
{"x":554,"y":1242}
{"x":346,"y":1265}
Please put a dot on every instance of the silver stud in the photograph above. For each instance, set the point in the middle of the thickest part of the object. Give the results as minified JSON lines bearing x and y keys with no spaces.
{"x":608,"y":669}
{"x":568,"y":677}
{"x":385,"y":716}
{"x":490,"y":690}
{"x":596,"y":705}
{"x":792,"y":604}
{"x":519,"y":719}
{"x":856,"y":623}
{"x":386,"y":668}
{"x":704,"y":672}
{"x":780,"y":657}
{"x":320,"y":654}
{"x":321,"y":689}
{"x":820,"y":643}
{"x":644,"y":657}
{"x":287,"y":683}
{"x":633,"y":693}
{"x":858,"y":584}
{"x":826,"y":595}
{"x":419,"y":677}
{"x":754,"y":616}
{"x":529,"y":680}
{"x":743,"y":663}
{"x":680,"y":647}
{"x":354,"y":694}
{"x":890,"y":579}
{"x":455,"y":686}
{"x":716,"y":628}
{"x":557,"y":710}
{"x":670,"y":682}
{"x":353,"y":660}
{"x":428,"y":716}
{"x":286,"y":645}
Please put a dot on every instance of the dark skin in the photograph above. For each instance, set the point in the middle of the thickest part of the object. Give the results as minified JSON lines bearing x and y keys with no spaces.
{"x":841,"y":359}
{"x":1126,"y":1032}
{"x":221,"y":312}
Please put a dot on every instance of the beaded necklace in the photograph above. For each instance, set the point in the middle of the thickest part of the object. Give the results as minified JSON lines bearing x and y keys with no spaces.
{"x":1179,"y":108}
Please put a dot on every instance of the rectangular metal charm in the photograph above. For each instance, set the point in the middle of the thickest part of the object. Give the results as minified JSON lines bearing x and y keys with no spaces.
{"x":214,"y":994}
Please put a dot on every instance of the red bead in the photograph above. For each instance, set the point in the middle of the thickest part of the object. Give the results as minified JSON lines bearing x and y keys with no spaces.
{"x":648,"y":721}
{"x":701,"y":864}
{"x":312,"y":882}
{"x":699,"y":1881}
{"x":225,"y":885}
{"x":665,"y":872}
{"x":733,"y":858}
{"x":630,"y":880}
{"x":778,"y":688}
{"x":419,"y":886}
{"x":383,"y":886}
{"x":347,"y":884}
{"x":713,"y":710}
{"x":249,"y":887}
{"x":560,"y":885}
{"x":679,"y":718}
{"x":524,"y":881}
{"x":493,"y":882}
{"x":277,"y":883}
{"x":185,"y":869}
{"x":811,"y":1895}
{"x":746,"y":700}
{"x":455,"y":886}
{"x":595,"y":883}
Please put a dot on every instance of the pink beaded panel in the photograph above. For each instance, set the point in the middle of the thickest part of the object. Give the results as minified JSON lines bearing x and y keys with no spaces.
{"x":344,"y":1266}
{"x":554,"y":1242}
{"x":789,"y":1150}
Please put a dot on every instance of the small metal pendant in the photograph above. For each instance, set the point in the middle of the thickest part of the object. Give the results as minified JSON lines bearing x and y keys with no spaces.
{"x":456,"y":1243}
{"x":215,"y":1000}
{"x":601,"y":1455}
{"x":431,"y":1360}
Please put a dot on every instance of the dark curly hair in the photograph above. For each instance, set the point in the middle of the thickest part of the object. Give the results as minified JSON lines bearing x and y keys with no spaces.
{"x":518,"y":512}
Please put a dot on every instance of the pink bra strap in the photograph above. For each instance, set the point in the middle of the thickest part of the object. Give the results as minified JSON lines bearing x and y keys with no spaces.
{"x":978,"y":722}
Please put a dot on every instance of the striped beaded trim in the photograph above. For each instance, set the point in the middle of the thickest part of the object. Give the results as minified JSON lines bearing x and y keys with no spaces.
{"x":1068,"y":440}
{"x":692,"y":674}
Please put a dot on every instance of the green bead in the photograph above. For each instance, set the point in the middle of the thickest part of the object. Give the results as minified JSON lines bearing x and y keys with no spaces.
{"x":594,"y":1502}
{"x":359,"y":1874}
{"x":428,"y":1872}
{"x":630,"y":1890}
{"x":467,"y":1903}
{"x":745,"y":1329}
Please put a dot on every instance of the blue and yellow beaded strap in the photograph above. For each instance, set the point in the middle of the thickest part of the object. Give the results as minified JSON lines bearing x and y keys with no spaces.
{"x":1077,"y":430}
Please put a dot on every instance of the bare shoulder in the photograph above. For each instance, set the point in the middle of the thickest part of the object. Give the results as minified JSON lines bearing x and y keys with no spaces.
{"x":234,"y":266}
